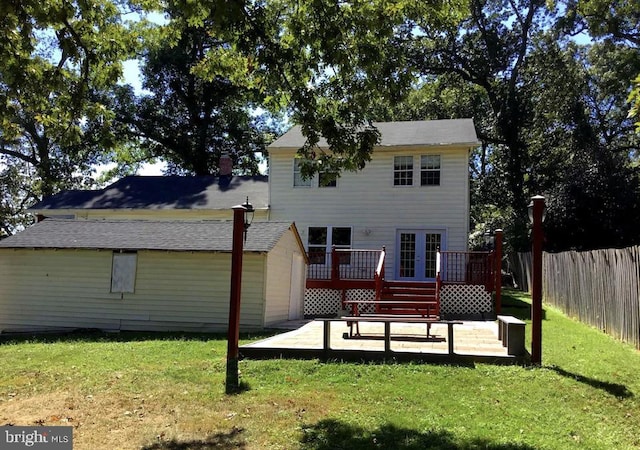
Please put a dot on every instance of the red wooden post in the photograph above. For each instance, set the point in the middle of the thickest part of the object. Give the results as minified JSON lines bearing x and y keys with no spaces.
{"x":498,"y":269}
{"x":536,"y":282}
{"x":233,"y":337}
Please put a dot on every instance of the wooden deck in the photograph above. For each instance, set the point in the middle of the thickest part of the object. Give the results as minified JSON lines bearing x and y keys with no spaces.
{"x":473,"y":342}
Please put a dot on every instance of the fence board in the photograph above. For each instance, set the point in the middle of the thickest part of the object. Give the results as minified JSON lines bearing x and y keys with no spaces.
{"x":600,"y":287}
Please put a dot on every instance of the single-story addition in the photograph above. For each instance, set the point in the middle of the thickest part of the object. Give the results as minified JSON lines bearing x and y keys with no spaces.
{"x":147,"y":275}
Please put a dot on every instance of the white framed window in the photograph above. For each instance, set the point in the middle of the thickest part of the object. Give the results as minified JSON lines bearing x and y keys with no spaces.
{"x":430,"y":170}
{"x":317,"y":245}
{"x":327,"y":179}
{"x":403,"y":171}
{"x":321,"y":180}
{"x":322,"y":239}
{"x":298,"y":180}
{"x":123,"y":271}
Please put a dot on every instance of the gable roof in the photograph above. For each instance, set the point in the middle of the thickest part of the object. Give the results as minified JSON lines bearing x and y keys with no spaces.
{"x":204,"y":235}
{"x":165,"y":192}
{"x":402,"y":134}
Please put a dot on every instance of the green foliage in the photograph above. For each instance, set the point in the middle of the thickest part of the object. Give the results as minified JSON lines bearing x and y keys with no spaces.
{"x":618,"y":20}
{"x":12,"y":200}
{"x":57,"y":57}
{"x":329,"y":64}
{"x":552,"y":115}
{"x":184,"y":119}
{"x":546,"y":111}
{"x":614,"y":21}
{"x":582,"y":144}
{"x":634,"y":99}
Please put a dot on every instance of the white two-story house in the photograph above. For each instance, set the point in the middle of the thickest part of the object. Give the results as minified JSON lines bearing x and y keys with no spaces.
{"x":412,"y":197}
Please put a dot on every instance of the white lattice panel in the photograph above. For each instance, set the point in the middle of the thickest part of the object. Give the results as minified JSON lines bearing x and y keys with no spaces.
{"x":465,"y":299}
{"x":326,"y":302}
{"x":362,"y":294}
{"x":321,"y":302}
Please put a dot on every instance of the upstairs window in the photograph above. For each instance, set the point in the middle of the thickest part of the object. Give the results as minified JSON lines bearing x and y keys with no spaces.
{"x":323,"y":179}
{"x":403,"y":171}
{"x":298,"y":180}
{"x":327,"y":179}
{"x":430,"y":170}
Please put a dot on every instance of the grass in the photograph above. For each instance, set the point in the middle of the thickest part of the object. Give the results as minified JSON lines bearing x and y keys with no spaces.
{"x":161,"y":392}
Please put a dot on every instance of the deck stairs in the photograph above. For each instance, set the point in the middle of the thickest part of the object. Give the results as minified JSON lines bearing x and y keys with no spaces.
{"x":412,"y":297}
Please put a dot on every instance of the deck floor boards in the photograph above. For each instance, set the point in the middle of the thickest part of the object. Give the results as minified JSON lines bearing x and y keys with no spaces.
{"x":473,"y":340}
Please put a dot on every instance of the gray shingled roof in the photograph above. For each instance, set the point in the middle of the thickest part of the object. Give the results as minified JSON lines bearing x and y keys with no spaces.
{"x":170,"y":192}
{"x":145,"y":235}
{"x":409,"y":133}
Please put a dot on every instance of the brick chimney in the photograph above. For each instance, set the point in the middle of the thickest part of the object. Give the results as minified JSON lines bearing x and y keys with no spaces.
{"x":225,"y":165}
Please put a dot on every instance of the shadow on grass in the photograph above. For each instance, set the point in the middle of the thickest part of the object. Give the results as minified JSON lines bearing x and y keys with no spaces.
{"x":243,"y":386}
{"x":516,"y":307}
{"x":617,"y":390}
{"x":230,"y":440}
{"x":90,"y":335}
{"x":334,"y":435}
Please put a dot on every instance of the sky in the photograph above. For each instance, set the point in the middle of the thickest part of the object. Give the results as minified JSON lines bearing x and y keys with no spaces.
{"x":132,"y":76}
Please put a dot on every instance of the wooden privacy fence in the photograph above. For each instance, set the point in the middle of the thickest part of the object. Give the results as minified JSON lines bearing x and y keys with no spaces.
{"x":599,"y":287}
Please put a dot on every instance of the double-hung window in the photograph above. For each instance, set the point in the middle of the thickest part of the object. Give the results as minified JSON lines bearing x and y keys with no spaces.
{"x":317,"y":245}
{"x":321,"y":240}
{"x":430,"y":170}
{"x":327,"y":179}
{"x":403,"y":171}
{"x":323,"y":179}
{"x":298,"y":180}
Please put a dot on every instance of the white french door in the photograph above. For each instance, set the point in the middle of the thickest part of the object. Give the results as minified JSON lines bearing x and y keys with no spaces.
{"x":416,"y":252}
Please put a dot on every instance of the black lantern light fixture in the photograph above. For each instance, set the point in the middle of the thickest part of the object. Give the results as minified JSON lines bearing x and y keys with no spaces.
{"x":248,"y":216}
{"x":488,"y":239}
{"x":535,"y":199}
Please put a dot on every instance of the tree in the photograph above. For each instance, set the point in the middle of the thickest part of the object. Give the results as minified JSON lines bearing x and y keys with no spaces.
{"x":534,"y":116}
{"x":327,"y":63}
{"x":491,"y":54}
{"x":187,"y":120}
{"x":616,"y":21}
{"x":582,"y":143}
{"x":56,"y":57}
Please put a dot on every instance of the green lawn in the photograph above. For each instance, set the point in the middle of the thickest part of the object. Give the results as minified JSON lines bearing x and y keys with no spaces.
{"x":134,"y":391}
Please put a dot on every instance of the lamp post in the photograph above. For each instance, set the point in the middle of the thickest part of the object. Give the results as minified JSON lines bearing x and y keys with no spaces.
{"x":242,"y":217}
{"x":536,"y":215}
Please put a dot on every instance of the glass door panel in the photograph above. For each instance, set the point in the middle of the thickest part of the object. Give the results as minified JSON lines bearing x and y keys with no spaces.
{"x":417,"y":253}
{"x":431,"y":246}
{"x":407,"y":255}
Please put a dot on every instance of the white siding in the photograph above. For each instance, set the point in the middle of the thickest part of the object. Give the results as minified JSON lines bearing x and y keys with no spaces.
{"x":370,"y":203}
{"x":278,"y":286}
{"x":173,"y":291}
{"x":153,"y":214}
